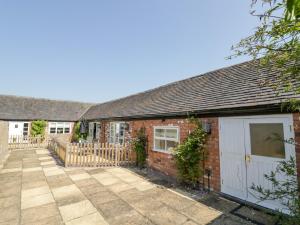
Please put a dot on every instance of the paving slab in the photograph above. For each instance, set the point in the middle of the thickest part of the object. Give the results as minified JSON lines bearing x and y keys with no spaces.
{"x":76,"y":210}
{"x":55,"y":220}
{"x":86,"y":182}
{"x":80,"y":176}
{"x":92,"y":189}
{"x":9,"y":213}
{"x":66,"y":195}
{"x":102,"y":197}
{"x":9,"y":201}
{"x":130,"y":218}
{"x":35,"y":191}
{"x":91,"y":219}
{"x":35,"y":214}
{"x":166,"y":216}
{"x":35,"y":201}
{"x":116,"y":207}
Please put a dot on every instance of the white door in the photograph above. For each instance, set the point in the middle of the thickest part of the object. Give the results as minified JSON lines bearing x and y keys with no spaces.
{"x":16,"y":128}
{"x":233,"y":169}
{"x":258,"y":141}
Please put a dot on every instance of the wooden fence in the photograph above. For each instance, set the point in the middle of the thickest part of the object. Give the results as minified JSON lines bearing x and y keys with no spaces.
{"x":93,"y":154}
{"x":23,"y":142}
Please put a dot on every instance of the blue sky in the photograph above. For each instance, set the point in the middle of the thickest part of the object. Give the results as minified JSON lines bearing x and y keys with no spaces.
{"x":99,"y":50}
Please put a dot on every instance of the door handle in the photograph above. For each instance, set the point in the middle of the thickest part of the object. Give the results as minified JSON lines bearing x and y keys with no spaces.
{"x":248,"y":158}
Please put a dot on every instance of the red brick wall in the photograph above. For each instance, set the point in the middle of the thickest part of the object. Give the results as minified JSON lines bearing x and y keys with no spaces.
{"x":164,"y":162}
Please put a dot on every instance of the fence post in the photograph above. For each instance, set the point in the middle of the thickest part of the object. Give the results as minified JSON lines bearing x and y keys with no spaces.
{"x":67,"y":155}
{"x":116,"y":154}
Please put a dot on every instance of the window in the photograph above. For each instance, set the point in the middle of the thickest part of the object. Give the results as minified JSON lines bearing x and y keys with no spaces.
{"x":267,"y":139}
{"x":165,"y":138}
{"x":117,"y":132}
{"x":94,"y":131}
{"x":25,"y":129}
{"x":59,"y":128}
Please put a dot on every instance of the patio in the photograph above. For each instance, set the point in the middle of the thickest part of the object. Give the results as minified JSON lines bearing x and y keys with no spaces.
{"x":36,"y":189}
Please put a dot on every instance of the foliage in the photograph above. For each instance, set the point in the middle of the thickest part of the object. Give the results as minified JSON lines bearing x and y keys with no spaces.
{"x":286,"y":191}
{"x":38,"y":128}
{"x":190,"y":154}
{"x":77,"y":135}
{"x":139,"y":146}
{"x":275,"y":43}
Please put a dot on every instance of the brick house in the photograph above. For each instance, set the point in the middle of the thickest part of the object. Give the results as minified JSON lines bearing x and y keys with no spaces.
{"x":241,"y":111}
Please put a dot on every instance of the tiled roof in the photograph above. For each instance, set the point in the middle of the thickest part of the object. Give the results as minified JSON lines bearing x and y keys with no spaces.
{"x":24,"y":108}
{"x":233,"y":87}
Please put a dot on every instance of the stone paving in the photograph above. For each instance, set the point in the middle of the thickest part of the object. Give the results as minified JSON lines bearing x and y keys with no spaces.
{"x":36,"y":190}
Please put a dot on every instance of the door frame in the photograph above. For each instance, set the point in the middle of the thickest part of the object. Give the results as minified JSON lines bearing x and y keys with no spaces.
{"x":288,"y":116}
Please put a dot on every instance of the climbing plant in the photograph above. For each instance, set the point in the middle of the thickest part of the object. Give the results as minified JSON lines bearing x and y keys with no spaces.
{"x":38,"y":128}
{"x":139,"y":146}
{"x":190,"y":154}
{"x":77,"y":135}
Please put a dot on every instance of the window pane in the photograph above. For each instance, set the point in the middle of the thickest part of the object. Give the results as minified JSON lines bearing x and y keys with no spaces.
{"x":267,"y":139}
{"x":159,"y":132}
{"x":60,"y":130}
{"x":52,"y":130}
{"x":160,"y":145}
{"x":67,"y":130}
{"x":171,"y":145}
{"x":171,"y":133}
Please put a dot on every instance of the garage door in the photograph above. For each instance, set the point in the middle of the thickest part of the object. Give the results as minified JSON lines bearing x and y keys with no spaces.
{"x":251,"y":147}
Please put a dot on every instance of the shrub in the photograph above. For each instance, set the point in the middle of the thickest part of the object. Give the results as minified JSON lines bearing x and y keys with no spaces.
{"x":139,"y":146}
{"x":38,"y":128}
{"x":285,"y":191}
{"x":190,"y":154}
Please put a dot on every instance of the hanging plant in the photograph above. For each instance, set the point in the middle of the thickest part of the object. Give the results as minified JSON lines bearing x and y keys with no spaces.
{"x":190,"y":154}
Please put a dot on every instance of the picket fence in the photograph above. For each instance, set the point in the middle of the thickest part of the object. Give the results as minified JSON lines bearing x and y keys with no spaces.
{"x":93,"y":154}
{"x":25,"y":142}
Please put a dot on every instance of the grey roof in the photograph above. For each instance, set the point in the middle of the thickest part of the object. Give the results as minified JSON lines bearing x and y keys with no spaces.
{"x":233,"y":87}
{"x":24,"y":108}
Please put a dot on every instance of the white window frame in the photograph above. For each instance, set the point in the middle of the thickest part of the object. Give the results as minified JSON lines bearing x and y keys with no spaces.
{"x":62,"y":125}
{"x":113,"y":138}
{"x":165,"y":138}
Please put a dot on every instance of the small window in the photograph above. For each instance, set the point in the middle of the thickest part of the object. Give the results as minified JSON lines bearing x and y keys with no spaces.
{"x":67,"y":130}
{"x":165,"y":138}
{"x":16,"y":126}
{"x":267,"y":139}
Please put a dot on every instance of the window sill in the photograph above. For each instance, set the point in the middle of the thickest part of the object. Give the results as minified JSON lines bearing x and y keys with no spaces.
{"x":161,"y":151}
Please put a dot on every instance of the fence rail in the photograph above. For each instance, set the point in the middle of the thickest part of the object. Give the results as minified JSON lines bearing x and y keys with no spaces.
{"x":93,"y":154}
{"x":18,"y":142}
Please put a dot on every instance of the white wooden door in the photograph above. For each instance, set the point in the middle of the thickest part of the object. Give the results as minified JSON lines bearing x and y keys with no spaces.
{"x":251,"y":147}
{"x":265,"y":148}
{"x":233,"y":169}
{"x":16,"y":128}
